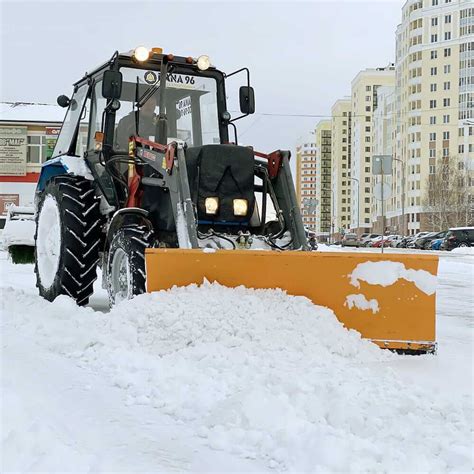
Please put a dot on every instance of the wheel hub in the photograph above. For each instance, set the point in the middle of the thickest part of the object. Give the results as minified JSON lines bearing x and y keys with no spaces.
{"x":120,"y":276}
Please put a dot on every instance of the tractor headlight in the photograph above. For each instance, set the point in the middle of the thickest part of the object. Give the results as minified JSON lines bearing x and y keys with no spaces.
{"x":141,"y":53}
{"x":212,"y":205}
{"x":203,"y":62}
{"x":240,"y":207}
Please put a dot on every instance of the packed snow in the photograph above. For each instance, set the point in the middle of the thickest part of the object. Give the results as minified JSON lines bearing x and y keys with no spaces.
{"x":464,"y":250}
{"x":361,"y":302}
{"x":216,"y":379}
{"x":387,"y":273}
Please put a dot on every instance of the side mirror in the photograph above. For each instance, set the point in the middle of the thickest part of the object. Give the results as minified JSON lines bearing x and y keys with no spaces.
{"x":63,"y":101}
{"x":247,"y":100}
{"x":112,"y":84}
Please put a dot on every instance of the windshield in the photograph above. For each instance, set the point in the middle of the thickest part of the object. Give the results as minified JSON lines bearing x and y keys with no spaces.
{"x":191,"y":108}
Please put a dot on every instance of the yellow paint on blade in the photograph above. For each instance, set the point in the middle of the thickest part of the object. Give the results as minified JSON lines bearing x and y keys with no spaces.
{"x":397,"y":315}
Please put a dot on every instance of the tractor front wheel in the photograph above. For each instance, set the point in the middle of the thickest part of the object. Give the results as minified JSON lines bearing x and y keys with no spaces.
{"x":67,"y":239}
{"x":126,"y":275}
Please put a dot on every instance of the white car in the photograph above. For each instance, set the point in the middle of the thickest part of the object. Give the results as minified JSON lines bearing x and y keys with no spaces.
{"x":18,"y":236}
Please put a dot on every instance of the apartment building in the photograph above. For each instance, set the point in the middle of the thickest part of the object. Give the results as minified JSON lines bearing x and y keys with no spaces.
{"x":306,"y":179}
{"x":363,"y":102}
{"x":383,"y":135}
{"x":435,"y":99}
{"x":341,"y":164}
{"x":324,"y":194}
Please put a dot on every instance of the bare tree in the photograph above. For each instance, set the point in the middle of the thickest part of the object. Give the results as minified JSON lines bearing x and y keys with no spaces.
{"x":447,"y":202}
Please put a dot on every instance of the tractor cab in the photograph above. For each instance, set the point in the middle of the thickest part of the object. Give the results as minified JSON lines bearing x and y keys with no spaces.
{"x":126,"y":98}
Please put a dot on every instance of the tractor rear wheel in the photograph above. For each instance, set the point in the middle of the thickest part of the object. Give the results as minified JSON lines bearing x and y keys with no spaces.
{"x":67,"y":239}
{"x":126,"y":275}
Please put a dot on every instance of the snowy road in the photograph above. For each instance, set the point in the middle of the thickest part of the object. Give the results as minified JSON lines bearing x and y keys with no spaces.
{"x":209,"y":379}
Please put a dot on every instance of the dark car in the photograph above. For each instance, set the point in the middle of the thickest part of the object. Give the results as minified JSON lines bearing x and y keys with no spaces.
{"x":402,"y":244}
{"x":458,"y":237}
{"x":424,"y":242}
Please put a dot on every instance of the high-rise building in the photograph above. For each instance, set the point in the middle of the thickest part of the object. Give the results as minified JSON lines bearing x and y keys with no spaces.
{"x":435,"y":100}
{"x":383,"y":134}
{"x":324,"y":222}
{"x":341,"y":164}
{"x":306,"y":179}
{"x":364,"y":100}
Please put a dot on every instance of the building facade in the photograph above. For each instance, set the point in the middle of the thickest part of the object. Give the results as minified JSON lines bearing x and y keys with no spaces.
{"x":383,"y":134}
{"x":28,"y":134}
{"x":435,"y":92}
{"x":341,"y":123}
{"x":364,"y":100}
{"x":324,"y":194}
{"x":306,"y":180}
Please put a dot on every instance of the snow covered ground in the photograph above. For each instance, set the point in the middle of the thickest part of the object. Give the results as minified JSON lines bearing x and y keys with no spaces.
{"x":212,"y":379}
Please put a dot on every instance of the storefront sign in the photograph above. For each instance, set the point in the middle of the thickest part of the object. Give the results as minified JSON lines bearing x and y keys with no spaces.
{"x":52,"y":134}
{"x":13,"y":151}
{"x":6,"y":200}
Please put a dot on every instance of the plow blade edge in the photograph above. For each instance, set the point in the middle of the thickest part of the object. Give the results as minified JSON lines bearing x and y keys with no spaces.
{"x":390,"y":299}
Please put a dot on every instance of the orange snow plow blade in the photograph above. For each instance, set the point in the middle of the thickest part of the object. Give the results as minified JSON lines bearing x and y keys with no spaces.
{"x":389,"y":299}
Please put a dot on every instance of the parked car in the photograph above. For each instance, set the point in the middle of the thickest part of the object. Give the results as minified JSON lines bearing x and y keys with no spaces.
{"x":378,"y":242}
{"x":404,"y":242}
{"x":365,"y":241}
{"x":396,"y":240}
{"x":424,"y":242}
{"x":436,"y":244}
{"x":411,"y":242}
{"x":458,"y":237}
{"x":349,"y":240}
{"x":372,"y":242}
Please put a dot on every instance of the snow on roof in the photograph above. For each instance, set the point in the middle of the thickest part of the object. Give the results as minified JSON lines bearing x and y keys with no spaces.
{"x":30,"y":112}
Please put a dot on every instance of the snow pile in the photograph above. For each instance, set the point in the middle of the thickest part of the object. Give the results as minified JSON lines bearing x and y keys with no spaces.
{"x":259,"y":374}
{"x":464,"y":250}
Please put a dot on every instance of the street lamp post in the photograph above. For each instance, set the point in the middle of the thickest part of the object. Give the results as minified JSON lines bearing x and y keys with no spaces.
{"x":404,"y":231}
{"x":358,"y":203}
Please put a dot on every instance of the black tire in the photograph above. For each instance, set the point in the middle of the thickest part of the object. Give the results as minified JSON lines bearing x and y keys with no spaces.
{"x":128,"y":248}
{"x":463,"y":244}
{"x":78,"y":225}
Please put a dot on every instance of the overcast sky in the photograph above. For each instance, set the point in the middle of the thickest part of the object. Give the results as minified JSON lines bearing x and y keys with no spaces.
{"x":302,"y":55}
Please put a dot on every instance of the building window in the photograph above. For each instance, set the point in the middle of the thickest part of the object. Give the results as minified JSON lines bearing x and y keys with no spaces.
{"x":434,"y":3}
{"x":445,"y":135}
{"x":446,"y":102}
{"x":368,"y":98}
{"x":368,"y":88}
{"x":445,"y":152}
{"x":447,"y":18}
{"x":447,"y":68}
{"x":434,"y":71}
{"x":36,"y":149}
{"x":446,"y":118}
{"x":432,"y":153}
{"x":432,"y":136}
{"x":434,"y":38}
{"x":367,"y":108}
{"x":434,"y":22}
{"x":447,"y":35}
{"x":433,"y":120}
{"x":433,"y":87}
{"x":447,"y":86}
{"x":432,"y":103}
{"x":447,"y":52}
